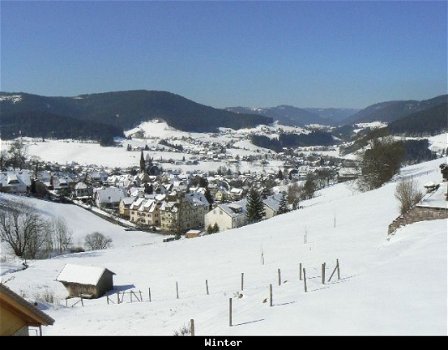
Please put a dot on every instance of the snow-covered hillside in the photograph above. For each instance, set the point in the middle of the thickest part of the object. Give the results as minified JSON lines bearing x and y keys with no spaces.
{"x":396,"y":286}
{"x":82,"y":222}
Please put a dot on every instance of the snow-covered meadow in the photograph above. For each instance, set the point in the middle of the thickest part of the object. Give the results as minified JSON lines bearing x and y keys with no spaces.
{"x":388,"y":287}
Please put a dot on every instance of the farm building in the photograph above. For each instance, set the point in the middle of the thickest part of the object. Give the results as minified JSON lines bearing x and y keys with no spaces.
{"x":87,"y":281}
{"x":17,"y":315}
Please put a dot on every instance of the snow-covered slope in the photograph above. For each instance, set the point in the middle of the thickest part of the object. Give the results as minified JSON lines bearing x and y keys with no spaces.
{"x":82,"y":222}
{"x":387,"y":287}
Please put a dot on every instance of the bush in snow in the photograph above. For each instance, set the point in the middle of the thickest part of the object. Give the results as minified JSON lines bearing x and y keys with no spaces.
{"x":97,"y":240}
{"x":183,"y":331}
{"x":407,"y":194}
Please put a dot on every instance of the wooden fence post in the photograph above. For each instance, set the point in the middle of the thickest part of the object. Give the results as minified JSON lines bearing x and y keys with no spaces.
{"x":130,"y":294}
{"x":279,"y":277}
{"x":339,"y":271}
{"x":336,"y":269}
{"x":206,"y":287}
{"x":192,"y":327}
{"x":242,"y":280}
{"x":118,"y":297}
{"x":304,"y":280}
{"x":107,"y":299}
{"x":149,"y":294}
{"x":230,"y":312}
{"x":82,"y":302}
{"x":177,"y":290}
{"x":300,"y":271}
{"x":270,"y":295}
{"x":323,"y":273}
{"x":140,"y":292}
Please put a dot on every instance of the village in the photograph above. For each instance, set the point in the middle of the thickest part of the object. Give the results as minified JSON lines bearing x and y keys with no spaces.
{"x":160,"y":195}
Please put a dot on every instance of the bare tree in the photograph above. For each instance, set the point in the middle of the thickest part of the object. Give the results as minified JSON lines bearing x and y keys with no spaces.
{"x":97,"y":240}
{"x":62,"y":237}
{"x":407,"y":194}
{"x":294,"y":193}
{"x":3,"y":159}
{"x":22,"y":229}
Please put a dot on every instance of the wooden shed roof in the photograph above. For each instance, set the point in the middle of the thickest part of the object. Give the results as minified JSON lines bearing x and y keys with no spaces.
{"x":82,"y":274}
{"x":28,"y":312}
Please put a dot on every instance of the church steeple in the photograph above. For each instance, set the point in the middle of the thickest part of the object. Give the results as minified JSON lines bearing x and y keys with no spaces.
{"x":142,"y":163}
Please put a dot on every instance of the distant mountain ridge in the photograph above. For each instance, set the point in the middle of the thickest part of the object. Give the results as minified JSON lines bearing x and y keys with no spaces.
{"x":127,"y":109}
{"x":393,"y":110}
{"x":295,"y":116}
{"x":335,"y":115}
{"x":286,"y":115}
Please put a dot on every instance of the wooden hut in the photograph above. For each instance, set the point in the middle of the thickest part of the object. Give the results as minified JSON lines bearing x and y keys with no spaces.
{"x":16,"y":314}
{"x":86,"y":281}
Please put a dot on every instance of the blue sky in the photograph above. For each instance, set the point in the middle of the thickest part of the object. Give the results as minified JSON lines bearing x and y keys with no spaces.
{"x":308,"y":54}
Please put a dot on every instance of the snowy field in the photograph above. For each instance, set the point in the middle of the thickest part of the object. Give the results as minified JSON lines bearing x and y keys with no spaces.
{"x":89,"y":153}
{"x":438,"y":143}
{"x":387,"y":287}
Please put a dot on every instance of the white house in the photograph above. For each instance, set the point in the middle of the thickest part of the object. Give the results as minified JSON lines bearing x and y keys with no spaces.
{"x":15,"y":181}
{"x":226,"y":216}
{"x":82,"y":190}
{"x":108,"y":197}
{"x":272,"y":205}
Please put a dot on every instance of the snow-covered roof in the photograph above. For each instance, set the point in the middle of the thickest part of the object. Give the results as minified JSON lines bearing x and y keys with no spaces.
{"x":233,"y":209}
{"x":137,"y":203}
{"x":81,"y":274}
{"x":128,"y":200}
{"x":160,"y":197}
{"x":110,"y":194}
{"x":436,"y":199}
{"x":13,"y":178}
{"x":80,"y":186}
{"x":273,"y":201}
{"x":197,"y":199}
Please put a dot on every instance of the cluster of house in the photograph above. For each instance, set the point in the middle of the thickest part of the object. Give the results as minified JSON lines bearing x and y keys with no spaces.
{"x":174,"y":209}
{"x":167,"y":201}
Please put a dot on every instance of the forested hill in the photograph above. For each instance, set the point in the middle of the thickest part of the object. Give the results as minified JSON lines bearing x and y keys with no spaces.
{"x":430,"y":121}
{"x":48,"y":125}
{"x":393,"y":110}
{"x":126,"y":109}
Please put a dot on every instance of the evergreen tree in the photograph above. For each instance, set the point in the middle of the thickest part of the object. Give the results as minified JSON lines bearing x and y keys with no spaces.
{"x":255,"y":207}
{"x":149,"y":188}
{"x":283,"y":207}
{"x":280,"y":175}
{"x":33,"y":186}
{"x":215,"y":227}
{"x":142,"y":163}
{"x":209,"y":197}
{"x":380,"y":163}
